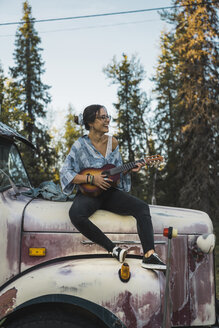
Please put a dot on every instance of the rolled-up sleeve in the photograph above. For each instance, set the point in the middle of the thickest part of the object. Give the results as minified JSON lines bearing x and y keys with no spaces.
{"x":68,"y":172}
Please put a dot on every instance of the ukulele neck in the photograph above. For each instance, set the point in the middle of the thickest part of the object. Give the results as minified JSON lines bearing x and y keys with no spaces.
{"x":125,"y":167}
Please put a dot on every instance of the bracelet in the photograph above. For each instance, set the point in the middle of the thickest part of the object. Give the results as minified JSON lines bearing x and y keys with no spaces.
{"x":91,"y":179}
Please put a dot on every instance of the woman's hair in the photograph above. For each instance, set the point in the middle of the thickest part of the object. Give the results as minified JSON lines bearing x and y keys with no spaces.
{"x":89,"y":115}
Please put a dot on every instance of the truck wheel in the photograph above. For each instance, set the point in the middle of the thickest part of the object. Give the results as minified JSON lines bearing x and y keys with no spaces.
{"x":52,"y":318}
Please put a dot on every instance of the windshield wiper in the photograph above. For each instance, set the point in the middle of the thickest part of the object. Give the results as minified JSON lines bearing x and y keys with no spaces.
{"x":17,"y":193}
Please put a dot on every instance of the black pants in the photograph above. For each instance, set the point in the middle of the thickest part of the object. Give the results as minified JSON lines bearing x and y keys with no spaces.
{"x":115,"y":201}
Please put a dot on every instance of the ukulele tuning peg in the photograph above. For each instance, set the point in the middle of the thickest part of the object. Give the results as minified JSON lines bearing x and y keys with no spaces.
{"x":161,"y":166}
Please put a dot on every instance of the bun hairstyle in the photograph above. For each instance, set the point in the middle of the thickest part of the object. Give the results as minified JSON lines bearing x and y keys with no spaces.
{"x":78,"y":119}
{"x":88,"y":116}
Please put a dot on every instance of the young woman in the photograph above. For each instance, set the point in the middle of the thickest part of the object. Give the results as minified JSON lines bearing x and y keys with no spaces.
{"x":94,"y":151}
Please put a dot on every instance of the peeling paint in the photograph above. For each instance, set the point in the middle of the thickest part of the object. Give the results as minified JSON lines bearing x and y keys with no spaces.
{"x":139,"y":303}
{"x":134,"y":302}
{"x":65,"y":244}
{"x":10,"y":227}
{"x":202,"y":288}
{"x":45,"y":216}
{"x":7,"y":302}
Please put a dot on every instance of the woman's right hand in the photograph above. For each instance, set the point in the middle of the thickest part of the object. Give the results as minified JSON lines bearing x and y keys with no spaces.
{"x":102,"y":181}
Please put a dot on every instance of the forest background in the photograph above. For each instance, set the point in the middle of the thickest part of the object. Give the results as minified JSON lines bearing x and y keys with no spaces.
{"x":183,"y":127}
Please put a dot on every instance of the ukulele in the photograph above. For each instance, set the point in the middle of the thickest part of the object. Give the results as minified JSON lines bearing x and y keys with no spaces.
{"x":112,"y":172}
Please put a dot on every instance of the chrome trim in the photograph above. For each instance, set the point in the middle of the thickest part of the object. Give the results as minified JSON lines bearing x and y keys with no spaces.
{"x":123,"y":242}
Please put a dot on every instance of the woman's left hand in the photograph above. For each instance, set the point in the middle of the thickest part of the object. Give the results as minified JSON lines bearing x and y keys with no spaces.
{"x":138,"y":168}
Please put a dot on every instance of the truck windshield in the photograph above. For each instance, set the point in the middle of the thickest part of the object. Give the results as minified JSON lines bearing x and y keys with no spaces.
{"x":12,"y":165}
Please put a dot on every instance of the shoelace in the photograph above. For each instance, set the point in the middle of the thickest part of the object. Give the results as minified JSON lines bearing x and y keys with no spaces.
{"x":156,"y":255}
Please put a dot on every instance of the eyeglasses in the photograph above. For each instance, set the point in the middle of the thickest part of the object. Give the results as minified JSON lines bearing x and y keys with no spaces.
{"x":104,"y":117}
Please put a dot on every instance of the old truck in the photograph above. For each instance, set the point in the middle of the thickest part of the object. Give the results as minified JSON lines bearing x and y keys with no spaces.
{"x":52,"y":276}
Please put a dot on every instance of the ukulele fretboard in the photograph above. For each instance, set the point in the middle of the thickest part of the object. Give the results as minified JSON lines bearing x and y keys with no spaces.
{"x":125,"y":167}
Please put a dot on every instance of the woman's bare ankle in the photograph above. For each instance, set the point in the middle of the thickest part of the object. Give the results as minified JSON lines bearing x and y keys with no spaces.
{"x":149,"y":253}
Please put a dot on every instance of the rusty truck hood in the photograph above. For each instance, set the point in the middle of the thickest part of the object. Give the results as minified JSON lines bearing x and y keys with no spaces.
{"x":50,"y":216}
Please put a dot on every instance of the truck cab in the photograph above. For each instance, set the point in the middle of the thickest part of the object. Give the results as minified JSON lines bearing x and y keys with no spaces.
{"x":51,"y":275}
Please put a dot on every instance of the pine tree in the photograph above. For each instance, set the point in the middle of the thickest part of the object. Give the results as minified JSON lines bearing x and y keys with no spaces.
{"x":167,"y":120}
{"x":196,"y":30}
{"x":27,"y":73}
{"x":10,"y":102}
{"x":64,"y":139}
{"x":68,"y":136}
{"x":72,"y":131}
{"x":199,"y":75}
{"x":131,"y":108}
{"x":2,"y":81}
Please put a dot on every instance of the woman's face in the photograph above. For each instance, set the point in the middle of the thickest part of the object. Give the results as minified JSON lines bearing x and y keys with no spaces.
{"x":101,"y":123}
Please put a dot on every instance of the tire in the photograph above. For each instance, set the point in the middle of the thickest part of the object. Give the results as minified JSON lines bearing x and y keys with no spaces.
{"x":53,"y":318}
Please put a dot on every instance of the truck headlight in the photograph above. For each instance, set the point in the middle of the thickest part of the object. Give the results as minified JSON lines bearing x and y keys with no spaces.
{"x":206,"y":243}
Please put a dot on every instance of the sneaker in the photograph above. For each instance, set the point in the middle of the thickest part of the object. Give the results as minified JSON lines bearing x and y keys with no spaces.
{"x":119,"y":253}
{"x":153,"y":262}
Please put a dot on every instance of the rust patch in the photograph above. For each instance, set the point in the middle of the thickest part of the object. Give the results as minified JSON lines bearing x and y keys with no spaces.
{"x":128,"y":310}
{"x":13,"y":251}
{"x":143,"y":311}
{"x":182,"y":316}
{"x":7,"y":301}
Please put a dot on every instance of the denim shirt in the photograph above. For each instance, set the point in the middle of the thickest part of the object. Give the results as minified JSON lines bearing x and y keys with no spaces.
{"x":84,"y":155}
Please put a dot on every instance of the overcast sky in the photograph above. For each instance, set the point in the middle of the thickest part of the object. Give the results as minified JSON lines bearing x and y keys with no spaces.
{"x":76,"y":51}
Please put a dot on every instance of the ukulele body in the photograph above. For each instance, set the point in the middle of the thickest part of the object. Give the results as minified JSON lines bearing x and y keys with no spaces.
{"x":113,"y":172}
{"x":92,"y":190}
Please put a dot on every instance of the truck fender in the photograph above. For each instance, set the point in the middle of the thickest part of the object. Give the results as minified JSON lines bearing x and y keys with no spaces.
{"x":93,"y":284}
{"x":46,"y":284}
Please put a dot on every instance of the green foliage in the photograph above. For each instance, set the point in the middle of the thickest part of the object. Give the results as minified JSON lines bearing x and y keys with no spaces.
{"x":167,"y":121}
{"x":131,"y":109}
{"x":67,"y":137}
{"x":189,"y":117}
{"x":2,"y":81}
{"x":72,"y":132}
{"x":10,"y":102}
{"x":198,"y":57}
{"x":32,"y":99}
